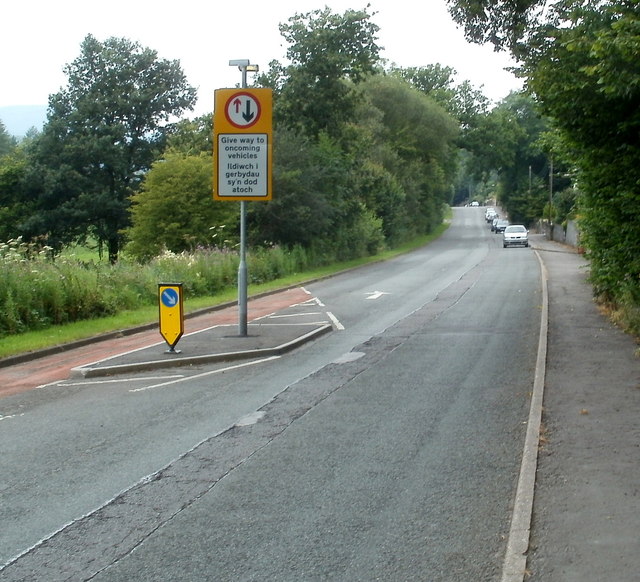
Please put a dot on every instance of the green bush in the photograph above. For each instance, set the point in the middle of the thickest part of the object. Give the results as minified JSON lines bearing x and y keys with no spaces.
{"x":40,"y":291}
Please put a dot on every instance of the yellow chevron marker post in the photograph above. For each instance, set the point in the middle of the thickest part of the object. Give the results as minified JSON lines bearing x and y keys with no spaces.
{"x":171,"y":313}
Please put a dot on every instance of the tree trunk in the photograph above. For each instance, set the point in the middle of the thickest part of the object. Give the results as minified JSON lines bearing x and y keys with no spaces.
{"x":114,"y":247}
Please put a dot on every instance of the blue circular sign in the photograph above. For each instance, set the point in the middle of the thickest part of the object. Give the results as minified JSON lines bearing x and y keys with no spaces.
{"x":169,"y":297}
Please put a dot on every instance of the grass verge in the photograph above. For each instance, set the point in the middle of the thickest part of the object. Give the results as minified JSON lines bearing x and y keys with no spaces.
{"x":59,"y":335}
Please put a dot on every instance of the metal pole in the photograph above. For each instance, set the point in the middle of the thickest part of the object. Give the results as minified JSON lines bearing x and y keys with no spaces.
{"x":550,"y":196}
{"x":242,"y":268}
{"x":242,"y":273}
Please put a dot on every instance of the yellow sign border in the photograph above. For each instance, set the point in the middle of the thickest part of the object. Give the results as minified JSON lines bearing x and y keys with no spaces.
{"x":222,"y":125}
{"x":171,"y":319}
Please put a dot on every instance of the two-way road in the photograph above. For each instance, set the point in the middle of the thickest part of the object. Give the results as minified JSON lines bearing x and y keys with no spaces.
{"x":388,"y":449}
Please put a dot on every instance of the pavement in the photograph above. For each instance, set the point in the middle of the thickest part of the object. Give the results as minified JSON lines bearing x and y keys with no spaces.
{"x":586,"y":511}
{"x":586,"y":508}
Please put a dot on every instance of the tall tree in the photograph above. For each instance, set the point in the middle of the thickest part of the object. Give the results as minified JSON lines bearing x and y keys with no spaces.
{"x":103,"y":131}
{"x":191,"y":136}
{"x":14,"y":205}
{"x":328,"y":54}
{"x":462,"y":101}
{"x":316,"y":105}
{"x":587,"y":77}
{"x":7,"y":142}
{"x":502,"y":22}
{"x":580,"y":59}
{"x":422,"y":135}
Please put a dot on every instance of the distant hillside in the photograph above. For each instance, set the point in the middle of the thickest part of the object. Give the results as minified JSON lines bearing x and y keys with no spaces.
{"x":18,"y":119}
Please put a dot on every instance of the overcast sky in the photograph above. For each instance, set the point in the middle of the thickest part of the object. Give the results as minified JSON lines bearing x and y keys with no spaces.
{"x":39,"y":37}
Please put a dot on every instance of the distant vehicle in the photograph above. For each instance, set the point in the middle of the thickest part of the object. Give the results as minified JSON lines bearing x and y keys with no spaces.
{"x":500,"y":226}
{"x":490,"y":213}
{"x":475,"y":203}
{"x":493,"y":223}
{"x":515,"y":234}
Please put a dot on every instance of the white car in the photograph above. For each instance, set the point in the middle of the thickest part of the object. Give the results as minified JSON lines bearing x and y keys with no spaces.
{"x":515,"y":234}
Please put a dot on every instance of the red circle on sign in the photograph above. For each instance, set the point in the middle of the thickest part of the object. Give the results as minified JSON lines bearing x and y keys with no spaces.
{"x":243,"y":109}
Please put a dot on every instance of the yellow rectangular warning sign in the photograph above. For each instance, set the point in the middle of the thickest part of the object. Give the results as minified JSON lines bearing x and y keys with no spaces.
{"x":242,"y":145}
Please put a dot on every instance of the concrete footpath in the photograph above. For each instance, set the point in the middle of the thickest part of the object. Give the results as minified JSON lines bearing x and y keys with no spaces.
{"x":586,"y":514}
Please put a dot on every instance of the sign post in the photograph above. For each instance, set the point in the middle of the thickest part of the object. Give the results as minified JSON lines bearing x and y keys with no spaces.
{"x":242,"y":158}
{"x":171,"y":314}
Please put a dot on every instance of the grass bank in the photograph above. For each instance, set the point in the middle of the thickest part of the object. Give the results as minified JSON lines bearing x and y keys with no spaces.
{"x":55,"y":335}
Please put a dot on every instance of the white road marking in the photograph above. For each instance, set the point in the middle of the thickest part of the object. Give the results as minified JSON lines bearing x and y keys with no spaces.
{"x":335,"y":321}
{"x":9,"y":416}
{"x":296,"y":324}
{"x":376,"y":294}
{"x":220,"y":371}
{"x":121,"y":380}
{"x":296,"y":315}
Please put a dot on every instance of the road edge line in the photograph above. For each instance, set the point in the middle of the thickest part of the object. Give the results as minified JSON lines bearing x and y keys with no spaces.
{"x":514,"y":567}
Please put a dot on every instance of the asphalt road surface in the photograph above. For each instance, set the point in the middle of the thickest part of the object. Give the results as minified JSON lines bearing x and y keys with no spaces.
{"x":388,"y":449}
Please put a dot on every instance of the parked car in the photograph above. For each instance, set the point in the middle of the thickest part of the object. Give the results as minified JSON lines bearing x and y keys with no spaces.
{"x":515,"y":234}
{"x":500,"y":225}
{"x":494,"y":221}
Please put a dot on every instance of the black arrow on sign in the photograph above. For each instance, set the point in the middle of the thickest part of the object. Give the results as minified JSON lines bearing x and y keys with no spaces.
{"x":248,"y":115}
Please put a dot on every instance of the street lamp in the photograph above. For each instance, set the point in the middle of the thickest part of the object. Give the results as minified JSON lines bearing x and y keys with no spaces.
{"x":244,"y":66}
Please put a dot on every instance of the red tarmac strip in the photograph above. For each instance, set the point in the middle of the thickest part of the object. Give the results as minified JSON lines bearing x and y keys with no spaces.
{"x":55,"y":368}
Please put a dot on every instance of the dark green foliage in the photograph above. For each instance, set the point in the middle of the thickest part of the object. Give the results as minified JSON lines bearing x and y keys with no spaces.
{"x":14,"y":206}
{"x":103,"y":132}
{"x":469,"y":107}
{"x":418,"y":137}
{"x":524,"y":178}
{"x":580,"y":58}
{"x":7,"y":142}
{"x":588,"y":80}
{"x":462,"y":101}
{"x":191,"y":137}
{"x":383,"y":179}
{"x":501,"y":22}
{"x":328,"y":55}
{"x":362,"y":160}
{"x":307,"y":180}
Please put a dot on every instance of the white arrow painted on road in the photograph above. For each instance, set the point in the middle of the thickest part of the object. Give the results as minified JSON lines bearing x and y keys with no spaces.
{"x":376,"y":294}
